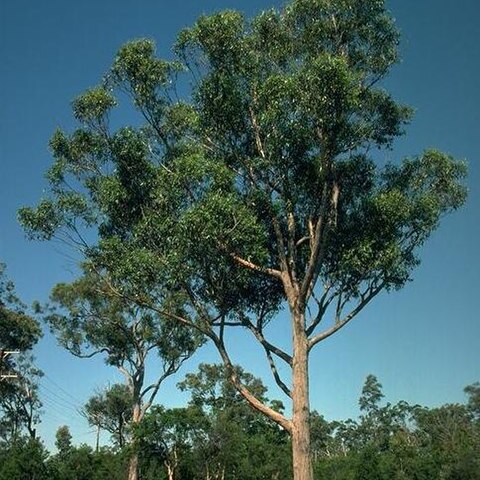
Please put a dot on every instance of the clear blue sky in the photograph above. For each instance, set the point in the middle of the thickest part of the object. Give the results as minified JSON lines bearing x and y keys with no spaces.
{"x":422,"y":342}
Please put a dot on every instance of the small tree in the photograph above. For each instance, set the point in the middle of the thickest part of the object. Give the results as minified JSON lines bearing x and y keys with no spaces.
{"x":371,"y":394}
{"x":25,"y":459}
{"x":110,"y":410}
{"x":217,"y":436}
{"x":19,"y":332}
{"x":63,"y":440}
{"x":233,"y":433}
{"x":167,"y":437}
{"x":89,"y":321}
{"x":473,"y":393}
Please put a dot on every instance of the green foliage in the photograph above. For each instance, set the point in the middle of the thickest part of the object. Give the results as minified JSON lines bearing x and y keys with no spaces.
{"x":111,"y":410}
{"x":142,"y":75}
{"x":401,"y":442}
{"x":88,"y":318}
{"x":24,"y":460}
{"x":285,"y":108}
{"x":74,"y":463}
{"x":93,"y":105}
{"x":210,"y":388}
{"x":473,"y":405}
{"x":368,"y":467}
{"x":371,"y":394}
{"x":216,"y":434}
{"x":81,"y":463}
{"x":63,"y":440}
{"x":19,"y":332}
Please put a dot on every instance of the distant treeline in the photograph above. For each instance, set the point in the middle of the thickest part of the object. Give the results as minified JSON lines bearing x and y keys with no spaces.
{"x":217,"y":436}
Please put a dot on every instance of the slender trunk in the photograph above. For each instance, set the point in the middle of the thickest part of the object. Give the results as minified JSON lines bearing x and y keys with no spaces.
{"x":302,"y":464}
{"x":97,"y":442}
{"x":133,"y":464}
{"x":170,"y":470}
{"x":172,"y":464}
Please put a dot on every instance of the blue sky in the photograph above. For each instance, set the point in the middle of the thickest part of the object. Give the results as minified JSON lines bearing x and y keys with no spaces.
{"x":422,"y":342}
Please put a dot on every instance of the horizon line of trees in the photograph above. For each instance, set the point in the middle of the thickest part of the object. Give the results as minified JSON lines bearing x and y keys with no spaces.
{"x":217,"y":436}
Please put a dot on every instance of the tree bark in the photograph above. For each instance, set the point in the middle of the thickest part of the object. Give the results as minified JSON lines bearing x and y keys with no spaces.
{"x":133,"y":467}
{"x":97,"y":442}
{"x":133,"y":464}
{"x":170,"y":470}
{"x":302,"y":464}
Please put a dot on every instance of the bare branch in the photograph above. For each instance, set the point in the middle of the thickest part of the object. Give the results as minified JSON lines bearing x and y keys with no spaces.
{"x":302,"y":241}
{"x":154,"y":387}
{"x":266,"y":344}
{"x":256,"y":130}
{"x":87,"y":355}
{"x":256,"y":268}
{"x":317,"y":243}
{"x":128,"y":376}
{"x":365,"y":299}
{"x":323,"y":305}
{"x":276,"y":375}
{"x":243,"y":390}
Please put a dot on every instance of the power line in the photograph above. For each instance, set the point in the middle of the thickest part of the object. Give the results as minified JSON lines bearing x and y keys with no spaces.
{"x":90,"y":432}
{"x":59,"y":404}
{"x":47,"y":377}
{"x":68,"y":403}
{"x":55,"y":415}
{"x":50,"y":402}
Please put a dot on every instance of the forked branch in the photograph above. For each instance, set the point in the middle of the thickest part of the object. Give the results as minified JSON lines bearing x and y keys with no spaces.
{"x":365,"y":299}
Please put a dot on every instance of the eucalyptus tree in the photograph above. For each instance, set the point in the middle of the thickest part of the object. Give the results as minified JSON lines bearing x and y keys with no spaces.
{"x":265,"y":187}
{"x":20,"y":403}
{"x":88,"y":321}
{"x":167,"y":438}
{"x":19,"y":332}
{"x":110,"y":410}
{"x":473,"y":393}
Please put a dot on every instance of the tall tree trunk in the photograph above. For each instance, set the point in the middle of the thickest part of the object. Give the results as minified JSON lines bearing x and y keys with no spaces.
{"x":133,"y":464}
{"x":302,"y":464}
{"x":133,"y":467}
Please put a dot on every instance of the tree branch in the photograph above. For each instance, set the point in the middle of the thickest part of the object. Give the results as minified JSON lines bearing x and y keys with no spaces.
{"x":256,"y":268}
{"x":319,"y":241}
{"x":276,"y":375}
{"x":365,"y":299}
{"x":256,"y":130}
{"x":323,"y":304}
{"x":266,"y":344}
{"x":316,"y":244}
{"x":154,"y":387}
{"x":277,"y":417}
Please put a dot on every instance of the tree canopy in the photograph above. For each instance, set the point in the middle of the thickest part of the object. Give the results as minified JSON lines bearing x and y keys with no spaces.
{"x":264,"y":185}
